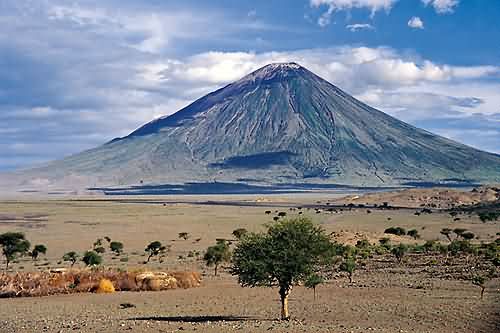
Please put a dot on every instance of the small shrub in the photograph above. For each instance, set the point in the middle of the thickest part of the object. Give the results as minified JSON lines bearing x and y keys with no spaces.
{"x":105,"y":287}
{"x":240,"y":232}
{"x":348,"y":266}
{"x":184,"y":235}
{"x":413,"y":233}
{"x":399,"y":251}
{"x":395,"y":231}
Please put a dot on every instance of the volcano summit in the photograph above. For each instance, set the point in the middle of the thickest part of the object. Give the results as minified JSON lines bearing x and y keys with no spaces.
{"x":279,"y":124}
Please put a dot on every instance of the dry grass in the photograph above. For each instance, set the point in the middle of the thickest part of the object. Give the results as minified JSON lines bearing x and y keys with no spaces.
{"x":82,"y":281}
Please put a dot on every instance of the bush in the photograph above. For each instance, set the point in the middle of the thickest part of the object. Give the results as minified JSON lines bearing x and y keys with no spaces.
{"x":116,"y":247}
{"x":183,"y":235}
{"x":413,"y":233}
{"x":105,"y":287}
{"x":395,"y":231}
{"x":363,"y":244}
{"x":91,"y":258}
{"x":399,"y":251}
{"x":240,"y":232}
{"x":489,"y":216}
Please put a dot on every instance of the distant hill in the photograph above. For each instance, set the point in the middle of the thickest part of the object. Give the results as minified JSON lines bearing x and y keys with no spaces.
{"x":279,"y":124}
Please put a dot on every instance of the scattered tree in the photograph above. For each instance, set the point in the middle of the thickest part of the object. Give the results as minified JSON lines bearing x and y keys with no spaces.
{"x":348,"y":266}
{"x":459,"y":232}
{"x":399,"y":251}
{"x":116,"y":247}
{"x":39,"y":248}
{"x":313,"y":281}
{"x":155,"y":249}
{"x":240,"y":232}
{"x":217,"y":254}
{"x":72,"y":257}
{"x":413,"y":233}
{"x":282,"y":214}
{"x":479,"y":280}
{"x":468,"y":235}
{"x":395,"y":231}
{"x":91,"y":258}
{"x":13,"y":244}
{"x":286,"y":255}
{"x":183,"y":235}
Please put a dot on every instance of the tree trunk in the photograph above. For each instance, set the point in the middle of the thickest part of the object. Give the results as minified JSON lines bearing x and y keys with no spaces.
{"x":7,"y":264}
{"x":314,"y":293}
{"x":350,"y":277}
{"x":216,"y":266}
{"x":284,"y":292}
{"x":482,"y":292}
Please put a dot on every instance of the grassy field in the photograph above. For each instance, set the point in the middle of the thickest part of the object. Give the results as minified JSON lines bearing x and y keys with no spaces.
{"x":383,"y":299}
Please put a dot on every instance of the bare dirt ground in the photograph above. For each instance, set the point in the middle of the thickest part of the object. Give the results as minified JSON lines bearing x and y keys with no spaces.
{"x":384,"y":297}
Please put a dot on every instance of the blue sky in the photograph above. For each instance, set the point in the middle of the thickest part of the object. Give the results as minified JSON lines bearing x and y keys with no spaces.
{"x":75,"y":74}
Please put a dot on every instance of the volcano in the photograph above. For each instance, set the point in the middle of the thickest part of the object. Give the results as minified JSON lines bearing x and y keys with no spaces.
{"x":279,"y":124}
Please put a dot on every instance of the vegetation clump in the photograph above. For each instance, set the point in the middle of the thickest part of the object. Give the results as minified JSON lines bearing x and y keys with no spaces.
{"x":395,"y":231}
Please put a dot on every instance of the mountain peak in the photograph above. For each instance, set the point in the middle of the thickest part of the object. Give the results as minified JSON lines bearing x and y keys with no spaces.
{"x":279,"y":70}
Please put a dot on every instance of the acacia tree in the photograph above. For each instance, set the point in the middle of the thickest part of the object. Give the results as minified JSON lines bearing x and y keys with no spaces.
{"x":184,"y":235}
{"x":313,"y":281}
{"x":40,"y":248}
{"x":116,"y":247}
{"x":289,"y":253}
{"x":479,"y":280}
{"x":217,"y":254}
{"x":348,"y":266}
{"x":72,"y":257}
{"x":92,"y":258}
{"x":155,"y":249}
{"x":13,"y":243}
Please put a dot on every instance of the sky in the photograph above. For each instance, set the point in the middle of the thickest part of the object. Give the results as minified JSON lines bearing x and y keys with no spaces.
{"x":76,"y":74}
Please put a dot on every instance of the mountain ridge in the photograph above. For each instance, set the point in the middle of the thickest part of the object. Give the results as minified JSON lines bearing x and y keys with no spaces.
{"x":280,"y":123}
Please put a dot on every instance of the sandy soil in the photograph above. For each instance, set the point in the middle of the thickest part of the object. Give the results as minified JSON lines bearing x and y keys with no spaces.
{"x":393,"y":298}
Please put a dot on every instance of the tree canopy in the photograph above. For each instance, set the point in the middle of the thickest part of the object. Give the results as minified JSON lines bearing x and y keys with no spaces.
{"x":13,"y":243}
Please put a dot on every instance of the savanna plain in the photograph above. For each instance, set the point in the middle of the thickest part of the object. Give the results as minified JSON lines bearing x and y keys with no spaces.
{"x":426,"y":289}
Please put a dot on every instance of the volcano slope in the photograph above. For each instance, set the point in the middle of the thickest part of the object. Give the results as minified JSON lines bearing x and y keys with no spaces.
{"x":279,"y":124}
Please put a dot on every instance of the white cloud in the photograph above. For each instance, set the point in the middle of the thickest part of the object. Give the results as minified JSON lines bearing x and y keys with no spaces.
{"x":338,"y":5}
{"x":359,"y":26}
{"x":442,"y":6}
{"x":416,"y":23}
